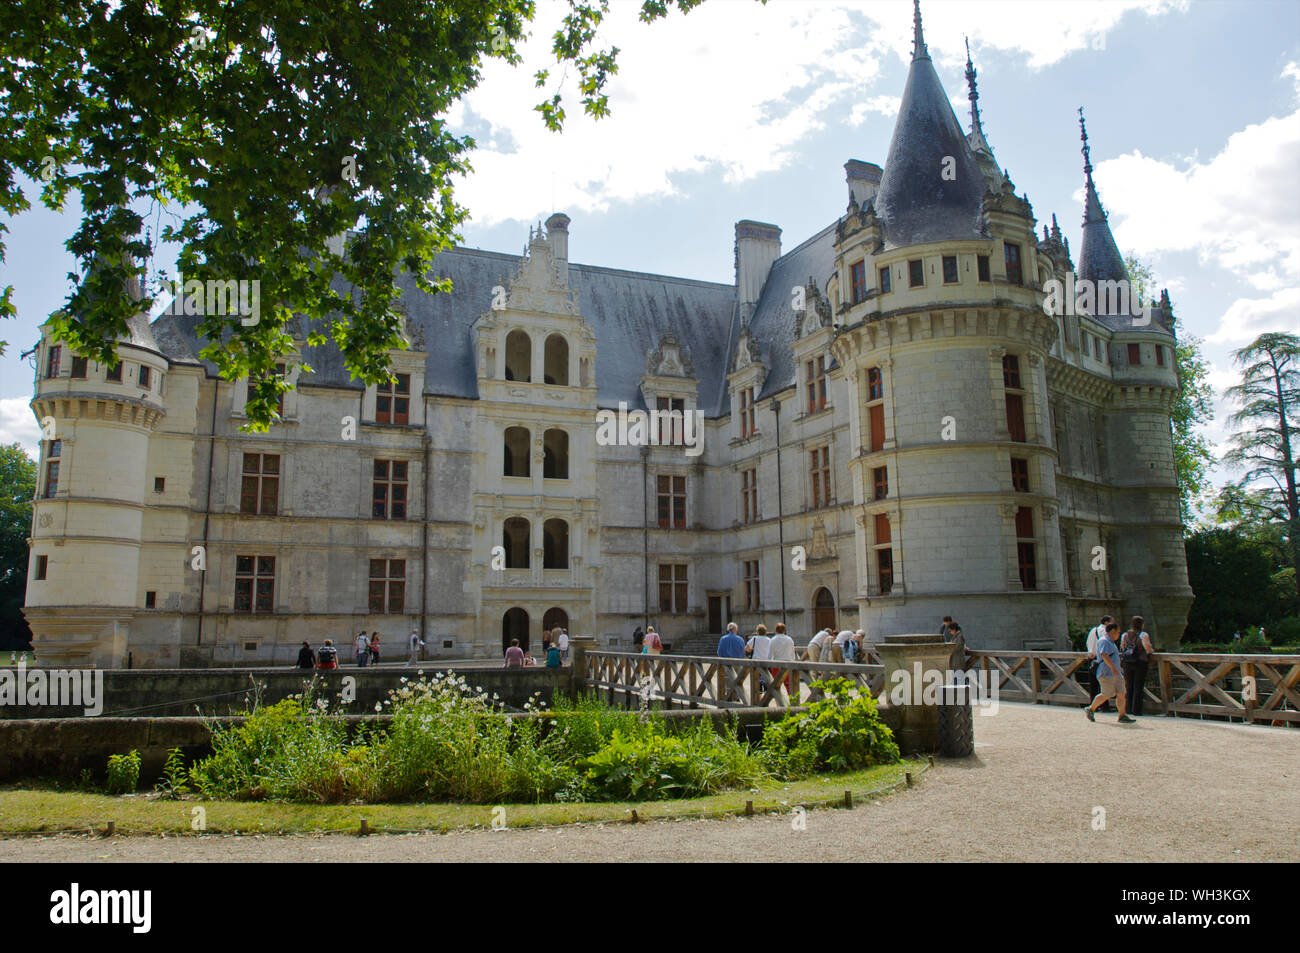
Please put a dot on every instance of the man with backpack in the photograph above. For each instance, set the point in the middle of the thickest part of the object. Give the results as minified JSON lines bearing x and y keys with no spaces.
{"x":1093,"y":635}
{"x":362,"y":649}
{"x":1135,"y":650}
{"x":328,"y":656}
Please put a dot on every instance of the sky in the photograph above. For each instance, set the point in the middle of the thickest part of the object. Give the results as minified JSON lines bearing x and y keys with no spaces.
{"x":740,"y":110}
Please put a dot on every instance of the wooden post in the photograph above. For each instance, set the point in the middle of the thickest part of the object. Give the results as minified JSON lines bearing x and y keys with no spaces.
{"x":110,"y":829}
{"x":908,"y":776}
{"x":1248,"y":672}
{"x":1036,"y":678}
{"x":365,"y":828}
{"x":749,"y":808}
{"x":848,"y":799}
{"x":1166,"y":686}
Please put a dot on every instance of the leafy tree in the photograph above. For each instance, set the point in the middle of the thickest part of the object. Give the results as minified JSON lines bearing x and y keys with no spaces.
{"x":1239,"y":582}
{"x":1265,"y":442}
{"x":17,"y":489}
{"x":1193,"y":406}
{"x":273,"y":125}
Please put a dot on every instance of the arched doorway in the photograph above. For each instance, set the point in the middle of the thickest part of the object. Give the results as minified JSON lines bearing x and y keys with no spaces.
{"x":823,"y":610}
{"x":555,"y":616}
{"x":514,"y":625}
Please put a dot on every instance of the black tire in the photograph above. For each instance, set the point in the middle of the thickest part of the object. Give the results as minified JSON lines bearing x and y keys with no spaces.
{"x":956,"y":731}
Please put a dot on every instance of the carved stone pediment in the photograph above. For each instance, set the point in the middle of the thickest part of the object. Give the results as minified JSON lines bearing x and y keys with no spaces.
{"x":747,"y":351}
{"x":816,"y":313}
{"x":541,"y":282}
{"x":669,"y":359}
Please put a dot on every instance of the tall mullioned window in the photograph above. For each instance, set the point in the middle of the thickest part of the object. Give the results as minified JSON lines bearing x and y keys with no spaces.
{"x":1015,"y":396}
{"x":671,"y":498}
{"x":52,"y":360}
{"x":949,"y":269}
{"x":254,"y":584}
{"x":884,"y":555}
{"x":53,"y":450}
{"x":672,"y":587}
{"x":748,"y":398}
{"x":259,"y":492}
{"x":885,"y":283}
{"x":388,"y":495}
{"x":858,"y":280}
{"x":749,"y":495}
{"x":1025,"y":556}
{"x":393,"y":400}
{"x":1014,"y":272}
{"x":387,"y":595}
{"x":820,"y":472}
{"x":816,"y":378}
{"x":875,"y":410}
{"x":751,"y":584}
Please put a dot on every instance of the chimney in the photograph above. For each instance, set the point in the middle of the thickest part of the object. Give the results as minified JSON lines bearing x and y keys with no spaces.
{"x":557,"y":230}
{"x":863,"y":179}
{"x":757,"y":246}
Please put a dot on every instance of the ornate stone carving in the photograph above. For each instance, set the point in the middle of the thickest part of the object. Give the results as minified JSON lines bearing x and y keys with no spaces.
{"x":816,"y":313}
{"x":669,"y":359}
{"x":747,"y":351}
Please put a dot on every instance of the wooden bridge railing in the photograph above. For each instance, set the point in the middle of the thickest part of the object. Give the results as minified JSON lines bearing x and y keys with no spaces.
{"x":695,"y":680}
{"x":1260,"y":689}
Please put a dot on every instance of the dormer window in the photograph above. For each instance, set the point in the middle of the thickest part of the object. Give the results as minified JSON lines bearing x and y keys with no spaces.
{"x":252,"y":386}
{"x":392,"y":399}
{"x":557,"y":361}
{"x":816,"y":375}
{"x":519,"y":356}
{"x":747,"y":426}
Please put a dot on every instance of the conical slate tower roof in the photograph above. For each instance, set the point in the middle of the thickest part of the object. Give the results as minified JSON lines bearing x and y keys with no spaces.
{"x":1099,"y":257}
{"x":917,"y":202}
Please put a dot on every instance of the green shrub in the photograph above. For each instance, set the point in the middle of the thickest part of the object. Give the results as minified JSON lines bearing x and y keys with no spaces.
{"x":123,"y":772}
{"x":173,"y":783}
{"x":841,"y":732}
{"x":1078,"y":636}
{"x":650,"y":764}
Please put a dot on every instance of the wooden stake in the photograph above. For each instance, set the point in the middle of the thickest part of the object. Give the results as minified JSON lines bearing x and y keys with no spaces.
{"x":749,"y":808}
{"x":365,"y":827}
{"x":909,"y":778}
{"x":932,"y":761}
{"x":848,"y":798}
{"x":634,"y":817}
{"x":110,"y":829}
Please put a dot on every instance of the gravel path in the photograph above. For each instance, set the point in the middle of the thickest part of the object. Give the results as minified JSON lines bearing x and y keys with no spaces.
{"x":1172,"y":790}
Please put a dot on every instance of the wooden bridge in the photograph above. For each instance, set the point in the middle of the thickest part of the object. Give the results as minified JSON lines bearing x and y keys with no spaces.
{"x":1257,"y":689}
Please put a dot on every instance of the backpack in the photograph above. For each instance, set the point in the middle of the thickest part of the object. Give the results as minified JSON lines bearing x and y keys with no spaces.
{"x":327,"y":654}
{"x":1133,"y":647}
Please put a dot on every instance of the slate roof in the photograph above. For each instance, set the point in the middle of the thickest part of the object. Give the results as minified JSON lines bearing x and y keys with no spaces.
{"x":630,"y":313}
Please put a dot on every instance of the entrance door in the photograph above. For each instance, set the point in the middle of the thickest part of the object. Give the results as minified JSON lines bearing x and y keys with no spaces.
{"x":514,"y":625}
{"x":715,"y":615}
{"x":823,"y":610}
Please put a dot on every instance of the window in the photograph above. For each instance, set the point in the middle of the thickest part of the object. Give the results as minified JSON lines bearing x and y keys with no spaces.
{"x":555,"y":361}
{"x":880,"y":483}
{"x":1020,"y":474}
{"x":1013,"y":263}
{"x":1014,"y":397}
{"x":1135,"y":354}
{"x":816,"y":375}
{"x":982,"y":267}
{"x":671,"y":495}
{"x":515,"y":540}
{"x":254,"y":583}
{"x":1025,"y":548}
{"x":519,"y":356}
{"x":1101,"y":351}
{"x":751,"y":584}
{"x":670,"y":411}
{"x":114,"y":373}
{"x":52,"y":360}
{"x":915,"y":273}
{"x":884,"y":281}
{"x":516,"y":461}
{"x":555,"y":544}
{"x":42,"y":566}
{"x":388,"y":498}
{"x":387,"y":586}
{"x":949,"y":269}
{"x":672,"y":587}
{"x":392,"y":399}
{"x":821,"y":477}
{"x":747,"y":400}
{"x":884,"y":554}
{"x":52,"y":453}
{"x":749,"y":495}
{"x":1160,"y":356}
{"x":858,"y":280}
{"x":151,"y":599}
{"x":144,"y":377}
{"x":259,"y":493}
{"x":159,"y":484}
{"x":1087,"y":348}
{"x":79,"y":368}
{"x":555,"y":454}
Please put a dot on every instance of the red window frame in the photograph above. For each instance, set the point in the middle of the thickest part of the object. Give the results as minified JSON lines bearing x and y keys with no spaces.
{"x":255,"y":584}
{"x":749,"y":495}
{"x":816,"y":376}
{"x":259,"y":491}
{"x":858,"y":280}
{"x":820,"y":470}
{"x":671,"y":498}
{"x":672,"y":587}
{"x":387,"y":590}
{"x":393,"y":400}
{"x":389,"y":487}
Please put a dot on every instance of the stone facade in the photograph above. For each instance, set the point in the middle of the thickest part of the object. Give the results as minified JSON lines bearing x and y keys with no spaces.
{"x":1019,"y":462}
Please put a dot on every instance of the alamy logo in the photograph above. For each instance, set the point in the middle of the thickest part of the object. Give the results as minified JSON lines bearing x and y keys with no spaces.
{"x":1094,"y":297}
{"x":75,"y":906}
{"x":659,"y":428}
{"x":934,"y":687}
{"x":218,"y":297}
{"x":61,"y":688}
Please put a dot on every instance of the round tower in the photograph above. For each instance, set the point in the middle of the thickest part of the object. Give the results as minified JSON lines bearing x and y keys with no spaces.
{"x":88,"y":522}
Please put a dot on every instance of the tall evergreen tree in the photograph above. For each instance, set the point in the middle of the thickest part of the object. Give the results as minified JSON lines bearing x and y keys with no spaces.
{"x":17,"y":488}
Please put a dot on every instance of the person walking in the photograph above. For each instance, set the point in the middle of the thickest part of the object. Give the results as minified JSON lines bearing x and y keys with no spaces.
{"x":306,"y":657}
{"x":839,"y":647}
{"x":361,"y":648}
{"x":416,"y":644}
{"x":731,"y":645}
{"x":1108,"y":675}
{"x":782,"y":649}
{"x":328,"y":656}
{"x":1135,"y":652}
{"x":1094,"y":634}
{"x":374,"y":648}
{"x":563,"y":644}
{"x":514,"y":655}
{"x":638,"y":639}
{"x":653,"y":645}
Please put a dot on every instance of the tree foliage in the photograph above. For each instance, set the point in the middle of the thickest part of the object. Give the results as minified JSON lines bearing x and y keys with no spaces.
{"x":261,"y":129}
{"x":1239,"y":580}
{"x":1265,"y":444}
{"x":1193,"y":406}
{"x":17,"y":489}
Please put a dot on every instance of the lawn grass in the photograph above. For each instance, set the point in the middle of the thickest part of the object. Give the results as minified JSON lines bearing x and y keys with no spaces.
{"x":32,"y":809}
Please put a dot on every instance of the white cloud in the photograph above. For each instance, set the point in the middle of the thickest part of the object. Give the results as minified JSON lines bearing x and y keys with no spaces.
{"x":1247,"y":318}
{"x":18,"y":424}
{"x":729,"y":89}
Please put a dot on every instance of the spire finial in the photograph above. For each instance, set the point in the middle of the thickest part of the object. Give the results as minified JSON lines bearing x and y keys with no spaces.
{"x":919,"y":52}
{"x":1087,"y":158}
{"x":973,"y":95}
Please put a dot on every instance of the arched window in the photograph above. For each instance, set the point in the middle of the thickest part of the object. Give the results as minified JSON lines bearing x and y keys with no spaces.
{"x":557,"y":360}
{"x":519,"y":356}
{"x":515,"y":538}
{"x":555,"y":544}
{"x":514,"y":625}
{"x":516,"y":462}
{"x":555,"y":616}
{"x":555,"y":462}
